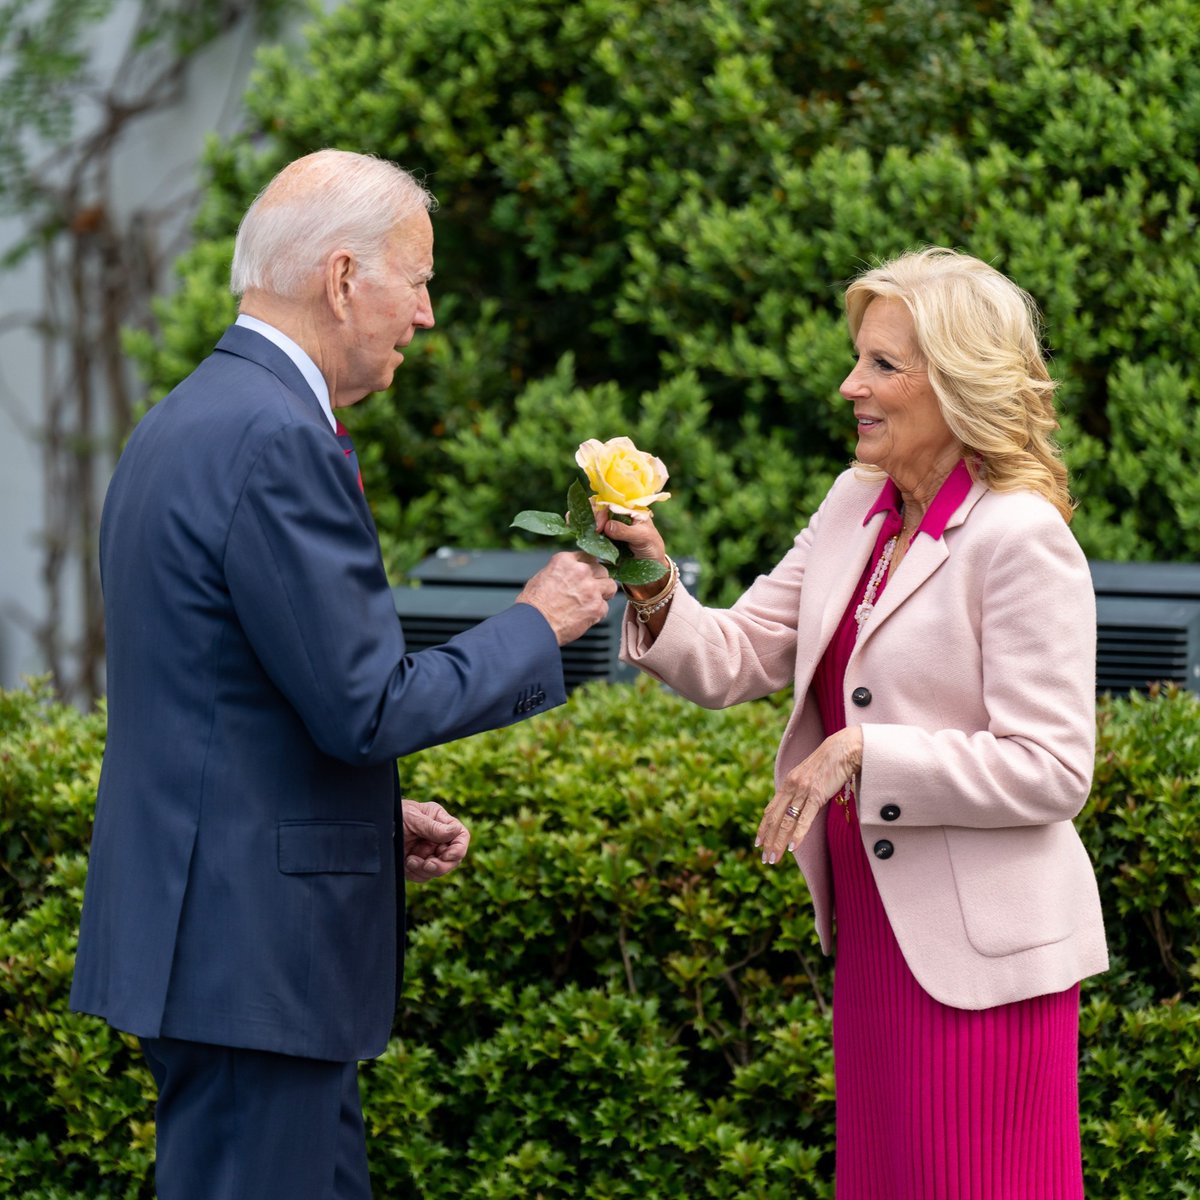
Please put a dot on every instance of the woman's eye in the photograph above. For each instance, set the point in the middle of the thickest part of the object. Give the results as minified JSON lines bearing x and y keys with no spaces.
{"x":884,"y":365}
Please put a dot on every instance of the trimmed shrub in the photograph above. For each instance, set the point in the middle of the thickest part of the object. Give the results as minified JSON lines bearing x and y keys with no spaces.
{"x":76,"y":1096}
{"x":49,"y":768}
{"x":612,"y":997}
{"x":1142,"y":829}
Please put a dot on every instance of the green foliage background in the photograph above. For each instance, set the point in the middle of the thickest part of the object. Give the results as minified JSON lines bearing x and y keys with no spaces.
{"x":612,"y":997}
{"x":649,"y":208}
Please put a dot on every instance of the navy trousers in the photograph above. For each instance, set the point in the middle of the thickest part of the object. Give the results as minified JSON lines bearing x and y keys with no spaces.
{"x":238,"y":1124}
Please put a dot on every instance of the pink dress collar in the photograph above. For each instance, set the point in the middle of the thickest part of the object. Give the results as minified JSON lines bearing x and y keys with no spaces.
{"x":950,"y":495}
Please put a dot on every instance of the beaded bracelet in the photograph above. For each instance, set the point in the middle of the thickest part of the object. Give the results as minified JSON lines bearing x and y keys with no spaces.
{"x":646,"y":608}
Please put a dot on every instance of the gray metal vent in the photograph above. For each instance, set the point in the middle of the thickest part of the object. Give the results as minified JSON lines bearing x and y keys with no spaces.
{"x":1147,"y":625}
{"x":460,"y":588}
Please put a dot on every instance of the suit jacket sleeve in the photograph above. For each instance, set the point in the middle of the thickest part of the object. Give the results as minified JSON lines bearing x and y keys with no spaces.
{"x":306,"y":580}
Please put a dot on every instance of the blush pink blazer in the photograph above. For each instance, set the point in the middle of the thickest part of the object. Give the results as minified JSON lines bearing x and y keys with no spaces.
{"x":980,"y":662}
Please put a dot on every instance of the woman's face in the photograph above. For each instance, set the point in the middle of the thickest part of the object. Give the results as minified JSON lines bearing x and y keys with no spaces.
{"x":901,"y":429}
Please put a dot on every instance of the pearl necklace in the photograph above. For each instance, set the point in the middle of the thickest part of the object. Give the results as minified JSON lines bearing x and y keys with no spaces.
{"x":863,"y":612}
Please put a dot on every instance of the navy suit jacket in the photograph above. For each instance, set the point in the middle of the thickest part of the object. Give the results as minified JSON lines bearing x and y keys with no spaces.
{"x":243,"y":886}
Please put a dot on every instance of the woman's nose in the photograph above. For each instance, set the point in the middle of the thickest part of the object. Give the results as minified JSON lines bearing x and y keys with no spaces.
{"x":852,"y":385}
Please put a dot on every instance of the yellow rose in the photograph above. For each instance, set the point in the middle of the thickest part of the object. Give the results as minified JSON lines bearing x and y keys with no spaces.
{"x":623,"y":478}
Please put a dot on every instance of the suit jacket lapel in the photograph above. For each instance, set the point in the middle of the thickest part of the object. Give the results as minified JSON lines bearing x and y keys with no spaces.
{"x":251,"y":345}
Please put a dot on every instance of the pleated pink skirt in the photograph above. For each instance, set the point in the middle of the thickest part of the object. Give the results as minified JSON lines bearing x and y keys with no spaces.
{"x":938,"y":1103}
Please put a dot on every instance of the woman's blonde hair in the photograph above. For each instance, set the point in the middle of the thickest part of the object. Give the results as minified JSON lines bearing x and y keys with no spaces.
{"x":980,"y":337}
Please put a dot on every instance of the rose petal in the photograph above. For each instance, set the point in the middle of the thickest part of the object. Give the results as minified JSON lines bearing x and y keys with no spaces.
{"x":623,"y":478}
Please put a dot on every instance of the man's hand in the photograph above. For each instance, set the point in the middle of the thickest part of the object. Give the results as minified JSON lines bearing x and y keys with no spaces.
{"x":434,"y":841}
{"x":572,"y":592}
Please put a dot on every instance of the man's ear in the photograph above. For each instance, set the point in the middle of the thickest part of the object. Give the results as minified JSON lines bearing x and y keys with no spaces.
{"x":341,"y":279}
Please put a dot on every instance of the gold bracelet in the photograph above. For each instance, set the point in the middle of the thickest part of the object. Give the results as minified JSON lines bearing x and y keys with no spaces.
{"x":646,"y":608}
{"x":672,"y":576}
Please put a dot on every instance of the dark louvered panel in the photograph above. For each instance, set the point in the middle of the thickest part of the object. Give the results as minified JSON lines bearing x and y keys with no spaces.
{"x":459,"y":588}
{"x":1147,"y":625}
{"x":433,"y":613}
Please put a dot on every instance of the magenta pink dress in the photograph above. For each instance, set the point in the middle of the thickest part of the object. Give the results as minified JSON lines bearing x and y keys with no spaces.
{"x":933,"y":1102}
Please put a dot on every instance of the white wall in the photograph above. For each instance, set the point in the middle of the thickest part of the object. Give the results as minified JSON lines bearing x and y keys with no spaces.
{"x":159,"y":160}
{"x":20,"y":477}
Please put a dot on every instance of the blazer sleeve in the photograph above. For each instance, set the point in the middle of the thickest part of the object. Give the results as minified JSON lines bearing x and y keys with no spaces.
{"x":720,"y":657}
{"x":308,"y":586}
{"x":1031,"y":762}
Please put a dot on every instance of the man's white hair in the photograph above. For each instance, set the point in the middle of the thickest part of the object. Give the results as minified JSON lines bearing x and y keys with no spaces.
{"x":330,"y":200}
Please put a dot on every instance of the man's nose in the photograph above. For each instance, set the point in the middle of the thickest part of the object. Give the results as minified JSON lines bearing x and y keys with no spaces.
{"x":424,"y":314}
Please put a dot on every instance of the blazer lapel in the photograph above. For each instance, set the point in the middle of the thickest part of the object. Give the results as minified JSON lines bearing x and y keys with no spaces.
{"x":922,"y":560}
{"x":840,"y":553}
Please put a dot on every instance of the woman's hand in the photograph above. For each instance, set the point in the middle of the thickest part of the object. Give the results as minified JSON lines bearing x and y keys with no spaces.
{"x":805,"y":789}
{"x":640,"y":534}
{"x":642,"y":538}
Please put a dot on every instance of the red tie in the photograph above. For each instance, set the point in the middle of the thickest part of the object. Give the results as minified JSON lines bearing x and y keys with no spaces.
{"x":348,"y":449}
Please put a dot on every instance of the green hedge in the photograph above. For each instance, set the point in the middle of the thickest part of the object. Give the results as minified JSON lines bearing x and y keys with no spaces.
{"x":648,"y":208}
{"x":612,"y":997}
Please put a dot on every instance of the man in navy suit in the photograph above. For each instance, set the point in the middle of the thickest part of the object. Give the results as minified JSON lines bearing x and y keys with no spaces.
{"x":244,"y":905}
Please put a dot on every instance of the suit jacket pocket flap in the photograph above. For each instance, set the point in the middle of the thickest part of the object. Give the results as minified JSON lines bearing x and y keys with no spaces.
{"x":328,"y":847}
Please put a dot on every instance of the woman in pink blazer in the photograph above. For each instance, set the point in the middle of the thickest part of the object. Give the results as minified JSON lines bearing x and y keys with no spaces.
{"x":937,"y":619}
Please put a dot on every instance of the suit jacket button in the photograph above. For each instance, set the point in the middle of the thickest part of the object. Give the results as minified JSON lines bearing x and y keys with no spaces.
{"x":861,"y":696}
{"x":883,"y":848}
{"x":889,"y":812}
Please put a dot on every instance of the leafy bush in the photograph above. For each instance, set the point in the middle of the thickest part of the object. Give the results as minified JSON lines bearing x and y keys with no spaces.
{"x":49,"y":768}
{"x":648,"y":208}
{"x":76,"y":1096}
{"x":1142,"y":829}
{"x":612,"y":997}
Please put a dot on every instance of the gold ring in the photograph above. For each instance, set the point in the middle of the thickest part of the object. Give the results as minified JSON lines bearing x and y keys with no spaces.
{"x":793,"y":812}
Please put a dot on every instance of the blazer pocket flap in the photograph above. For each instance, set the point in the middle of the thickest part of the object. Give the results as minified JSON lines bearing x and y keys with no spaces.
{"x":1018,"y":889}
{"x":328,"y":848}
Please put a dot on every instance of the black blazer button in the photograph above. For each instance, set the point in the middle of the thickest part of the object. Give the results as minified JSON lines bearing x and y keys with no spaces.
{"x":883,"y":848}
{"x":861,"y":696}
{"x":889,"y":812}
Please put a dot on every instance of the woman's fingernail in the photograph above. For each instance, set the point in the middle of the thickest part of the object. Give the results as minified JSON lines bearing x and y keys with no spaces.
{"x":791,"y":847}
{"x":758,"y":841}
{"x":764,"y":858}
{"x":772,"y":858}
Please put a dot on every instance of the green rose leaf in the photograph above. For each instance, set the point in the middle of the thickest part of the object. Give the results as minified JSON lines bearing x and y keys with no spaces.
{"x":540,"y":522}
{"x":583,"y":525}
{"x":597,"y":545}
{"x":637,"y":571}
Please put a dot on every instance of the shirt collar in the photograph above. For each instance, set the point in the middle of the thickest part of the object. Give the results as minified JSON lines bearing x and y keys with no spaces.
{"x":944,"y":505}
{"x":304,"y":364}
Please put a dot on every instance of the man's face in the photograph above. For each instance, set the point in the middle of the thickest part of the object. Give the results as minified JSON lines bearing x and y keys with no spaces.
{"x":387,"y":312}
